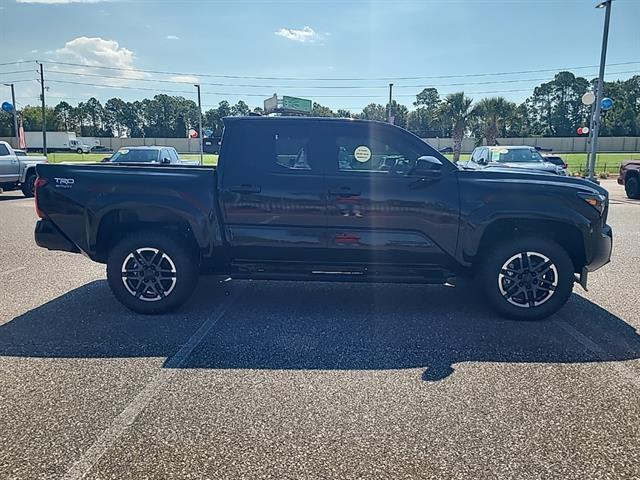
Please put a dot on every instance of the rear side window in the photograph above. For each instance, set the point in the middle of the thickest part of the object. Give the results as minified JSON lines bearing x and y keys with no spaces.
{"x":292,"y":150}
{"x":3,"y":150}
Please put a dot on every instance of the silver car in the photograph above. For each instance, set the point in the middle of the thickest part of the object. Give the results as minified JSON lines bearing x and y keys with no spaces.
{"x":520,"y":157}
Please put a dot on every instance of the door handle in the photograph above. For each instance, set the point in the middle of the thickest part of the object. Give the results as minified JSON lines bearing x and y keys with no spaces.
{"x":343,"y":192}
{"x":245,"y":189}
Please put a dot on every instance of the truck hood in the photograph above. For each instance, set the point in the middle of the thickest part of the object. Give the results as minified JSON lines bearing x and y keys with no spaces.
{"x":534,"y":177}
{"x":545,"y":167}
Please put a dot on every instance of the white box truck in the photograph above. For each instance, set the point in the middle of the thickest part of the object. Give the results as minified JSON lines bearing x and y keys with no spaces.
{"x":56,"y":142}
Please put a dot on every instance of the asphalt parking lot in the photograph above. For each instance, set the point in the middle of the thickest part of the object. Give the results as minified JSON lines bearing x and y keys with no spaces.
{"x":313,"y":380}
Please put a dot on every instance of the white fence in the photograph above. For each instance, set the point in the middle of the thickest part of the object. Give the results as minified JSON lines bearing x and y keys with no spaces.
{"x":557,"y":144}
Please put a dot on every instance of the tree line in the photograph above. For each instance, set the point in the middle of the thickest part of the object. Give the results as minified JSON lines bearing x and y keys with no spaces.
{"x":553,"y":109}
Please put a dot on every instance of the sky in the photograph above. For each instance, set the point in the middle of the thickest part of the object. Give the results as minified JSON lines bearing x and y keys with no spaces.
{"x":340,"y":53}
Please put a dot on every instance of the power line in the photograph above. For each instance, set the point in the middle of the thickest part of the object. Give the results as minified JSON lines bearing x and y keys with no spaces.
{"x":336,"y":87}
{"x":164,"y":72}
{"x":16,"y":71}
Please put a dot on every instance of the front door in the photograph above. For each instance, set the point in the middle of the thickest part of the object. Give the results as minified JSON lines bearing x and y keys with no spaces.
{"x":273,"y":192}
{"x":378,"y":211}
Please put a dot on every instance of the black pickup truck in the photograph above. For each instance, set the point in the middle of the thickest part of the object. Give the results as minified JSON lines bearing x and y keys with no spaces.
{"x":332,"y":200}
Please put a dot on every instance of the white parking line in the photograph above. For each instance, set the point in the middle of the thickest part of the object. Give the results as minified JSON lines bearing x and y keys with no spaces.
{"x":624,"y":371}
{"x":126,"y":418}
{"x":14,"y":270}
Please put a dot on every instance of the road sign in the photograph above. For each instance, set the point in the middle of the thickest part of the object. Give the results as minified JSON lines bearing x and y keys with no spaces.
{"x":193,"y":133}
{"x":299,"y":104}
{"x":583,"y":130}
{"x":588,"y":98}
{"x":606,"y":104}
{"x":7,"y":107}
{"x":208,"y":132}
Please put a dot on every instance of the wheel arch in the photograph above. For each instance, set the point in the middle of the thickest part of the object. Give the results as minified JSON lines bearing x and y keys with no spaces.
{"x":118,"y":223}
{"x":568,"y":236}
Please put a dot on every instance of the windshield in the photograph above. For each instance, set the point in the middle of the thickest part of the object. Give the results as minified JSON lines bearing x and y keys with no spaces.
{"x":136,"y":156}
{"x":516,"y":155}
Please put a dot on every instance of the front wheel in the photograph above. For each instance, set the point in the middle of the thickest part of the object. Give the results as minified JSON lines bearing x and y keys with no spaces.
{"x":632,"y":187}
{"x":527,"y":279}
{"x":151,"y":273}
{"x":79,"y":150}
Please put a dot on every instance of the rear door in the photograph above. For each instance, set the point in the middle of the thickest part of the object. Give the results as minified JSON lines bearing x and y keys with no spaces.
{"x":378,"y":211}
{"x":9,"y":166}
{"x":273,"y":191}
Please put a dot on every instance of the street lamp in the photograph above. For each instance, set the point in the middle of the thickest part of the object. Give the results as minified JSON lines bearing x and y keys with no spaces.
{"x":200,"y":124}
{"x":595,"y":120}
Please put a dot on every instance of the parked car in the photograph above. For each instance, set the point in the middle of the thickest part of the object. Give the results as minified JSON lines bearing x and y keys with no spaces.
{"x":327,"y":199}
{"x":17,"y":170}
{"x":511,"y":157}
{"x":151,"y":154}
{"x":556,"y":160}
{"x":101,"y":149}
{"x":630,"y":177}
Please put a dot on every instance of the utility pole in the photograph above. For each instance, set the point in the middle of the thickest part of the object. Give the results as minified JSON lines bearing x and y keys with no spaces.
{"x":200,"y":124}
{"x":390,"y":119}
{"x":15,"y":114}
{"x":44,"y":113}
{"x":595,"y":121}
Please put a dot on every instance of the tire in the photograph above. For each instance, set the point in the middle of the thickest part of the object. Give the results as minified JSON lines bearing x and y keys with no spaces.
{"x":167,"y":278}
{"x":527,"y":278}
{"x":79,"y":150}
{"x":28,"y":186}
{"x":632,"y":187}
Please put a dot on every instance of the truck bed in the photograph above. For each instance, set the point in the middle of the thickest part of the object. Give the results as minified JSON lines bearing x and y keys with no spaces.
{"x":82,"y":200}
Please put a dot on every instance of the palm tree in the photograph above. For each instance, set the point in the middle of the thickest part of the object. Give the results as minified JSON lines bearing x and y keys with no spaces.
{"x":456,"y":110}
{"x":493,"y":114}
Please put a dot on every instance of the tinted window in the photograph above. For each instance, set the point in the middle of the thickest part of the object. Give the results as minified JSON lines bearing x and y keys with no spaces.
{"x":174,"y":156}
{"x":137,"y":155}
{"x":515,"y":155}
{"x":4,"y":150}
{"x":292,"y":150}
{"x":374,"y":150}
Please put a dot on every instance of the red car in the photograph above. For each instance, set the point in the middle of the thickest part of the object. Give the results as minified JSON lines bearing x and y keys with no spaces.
{"x":630,"y":178}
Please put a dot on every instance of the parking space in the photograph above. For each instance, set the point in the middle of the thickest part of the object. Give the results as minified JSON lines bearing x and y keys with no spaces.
{"x":313,"y":380}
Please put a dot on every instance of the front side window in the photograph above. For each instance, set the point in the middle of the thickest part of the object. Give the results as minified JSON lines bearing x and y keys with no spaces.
{"x":3,"y":150}
{"x":374,"y":151}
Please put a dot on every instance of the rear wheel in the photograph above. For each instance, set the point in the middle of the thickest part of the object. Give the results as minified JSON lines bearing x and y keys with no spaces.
{"x":28,"y":186}
{"x":151,"y":273}
{"x":632,"y":187}
{"x":527,"y":279}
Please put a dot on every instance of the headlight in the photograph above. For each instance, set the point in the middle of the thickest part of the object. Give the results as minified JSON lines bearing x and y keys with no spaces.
{"x":596,"y":200}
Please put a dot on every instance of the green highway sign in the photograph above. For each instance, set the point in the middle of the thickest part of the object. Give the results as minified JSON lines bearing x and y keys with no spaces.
{"x":293,"y":103}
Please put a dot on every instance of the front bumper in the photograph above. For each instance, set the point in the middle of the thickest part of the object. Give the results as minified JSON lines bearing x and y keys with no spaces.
{"x":601,"y":246}
{"x":48,"y":236}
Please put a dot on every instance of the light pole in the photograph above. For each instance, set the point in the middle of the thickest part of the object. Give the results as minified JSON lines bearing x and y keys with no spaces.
{"x":390,"y":119}
{"x":595,"y":121}
{"x":200,"y":124}
{"x":15,"y":113}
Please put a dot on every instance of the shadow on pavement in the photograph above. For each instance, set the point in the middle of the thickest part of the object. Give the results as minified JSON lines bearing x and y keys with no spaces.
{"x":283,"y":325}
{"x":12,"y":195}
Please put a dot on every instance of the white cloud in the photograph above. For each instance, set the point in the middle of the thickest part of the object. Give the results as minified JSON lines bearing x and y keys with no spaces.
{"x":172,"y":37}
{"x":59,"y":2}
{"x":98,"y":52}
{"x":304,"y":35}
{"x":184,"y":78}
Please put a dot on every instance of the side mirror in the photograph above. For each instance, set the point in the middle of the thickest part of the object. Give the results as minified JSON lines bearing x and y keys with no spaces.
{"x":106,"y":159}
{"x":166,"y":160}
{"x":483,"y":161}
{"x":427,"y":164}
